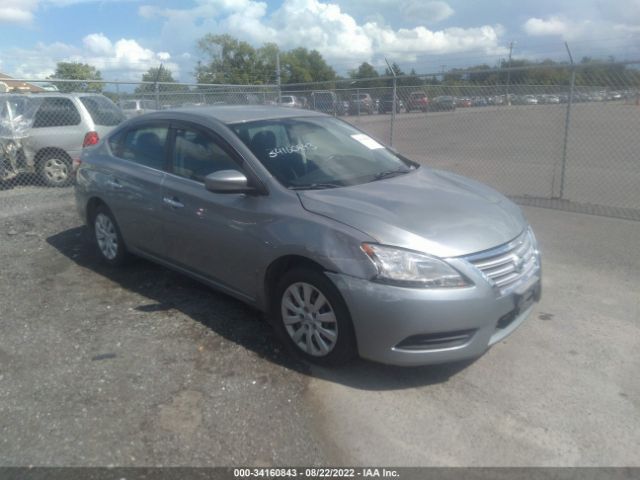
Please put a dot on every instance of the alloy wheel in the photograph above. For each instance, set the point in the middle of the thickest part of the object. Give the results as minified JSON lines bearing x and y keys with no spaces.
{"x":309,"y":319}
{"x":106,"y":236}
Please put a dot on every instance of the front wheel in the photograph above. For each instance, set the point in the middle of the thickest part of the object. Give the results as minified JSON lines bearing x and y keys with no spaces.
{"x":313,"y":319}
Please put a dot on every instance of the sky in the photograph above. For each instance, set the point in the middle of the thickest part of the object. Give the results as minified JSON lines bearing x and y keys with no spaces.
{"x":124,"y":38}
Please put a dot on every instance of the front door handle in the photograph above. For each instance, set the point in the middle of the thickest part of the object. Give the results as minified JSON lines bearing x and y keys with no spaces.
{"x":172,"y":202}
{"x":114,"y":183}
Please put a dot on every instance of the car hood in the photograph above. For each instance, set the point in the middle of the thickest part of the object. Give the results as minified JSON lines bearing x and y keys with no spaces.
{"x":435,"y":212}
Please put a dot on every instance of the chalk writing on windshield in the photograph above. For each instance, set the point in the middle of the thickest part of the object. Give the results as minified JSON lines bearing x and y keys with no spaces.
{"x":300,"y":147}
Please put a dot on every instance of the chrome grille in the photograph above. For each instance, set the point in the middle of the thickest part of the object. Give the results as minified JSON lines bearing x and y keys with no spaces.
{"x":504,"y":266}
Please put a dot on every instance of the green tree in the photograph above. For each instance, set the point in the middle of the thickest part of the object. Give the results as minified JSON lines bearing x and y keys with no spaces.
{"x":301,"y":65}
{"x":77,"y":71}
{"x":159,"y":74}
{"x":229,"y":61}
{"x":368,"y":72}
{"x":232,"y":61}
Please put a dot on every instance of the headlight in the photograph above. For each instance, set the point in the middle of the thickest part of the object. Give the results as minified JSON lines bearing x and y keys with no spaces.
{"x":412,"y":269}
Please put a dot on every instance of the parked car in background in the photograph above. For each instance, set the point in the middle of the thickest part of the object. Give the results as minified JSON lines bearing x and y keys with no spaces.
{"x":547,"y":99}
{"x":418,"y":101}
{"x":529,"y":100}
{"x":479,"y":102}
{"x":386,"y":103}
{"x":134,"y":107}
{"x":291,"y":101}
{"x":361,"y":103}
{"x":310,"y":220}
{"x":327,"y":101}
{"x":444,"y":102}
{"x":464,"y":102}
{"x":52,"y":129}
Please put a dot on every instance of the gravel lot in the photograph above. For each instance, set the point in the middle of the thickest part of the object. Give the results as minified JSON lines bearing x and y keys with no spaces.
{"x":143,"y":366}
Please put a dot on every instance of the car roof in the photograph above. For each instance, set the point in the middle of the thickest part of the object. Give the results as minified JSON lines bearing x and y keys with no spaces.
{"x":230,"y":114}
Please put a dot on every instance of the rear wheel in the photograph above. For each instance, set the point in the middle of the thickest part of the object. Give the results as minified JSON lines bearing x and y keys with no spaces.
{"x":107,"y":237}
{"x":54,"y":169}
{"x":312,"y":318}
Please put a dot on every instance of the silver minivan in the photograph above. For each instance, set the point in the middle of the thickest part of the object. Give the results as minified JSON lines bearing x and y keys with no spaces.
{"x":350,"y":247}
{"x":44,"y":133}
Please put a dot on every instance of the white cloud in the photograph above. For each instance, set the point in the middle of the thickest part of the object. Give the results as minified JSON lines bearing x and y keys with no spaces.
{"x":23,"y":11}
{"x":425,"y":12}
{"x":124,"y":59}
{"x":550,"y":26}
{"x":599,"y":35}
{"x":408,"y":12}
{"x":324,"y":26}
{"x":97,"y":43}
{"x":17,"y":11}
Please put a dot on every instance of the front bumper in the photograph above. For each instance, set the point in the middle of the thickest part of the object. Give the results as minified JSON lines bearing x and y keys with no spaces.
{"x":412,"y":326}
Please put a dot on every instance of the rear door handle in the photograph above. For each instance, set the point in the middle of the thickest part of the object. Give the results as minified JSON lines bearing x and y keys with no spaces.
{"x":172,"y":202}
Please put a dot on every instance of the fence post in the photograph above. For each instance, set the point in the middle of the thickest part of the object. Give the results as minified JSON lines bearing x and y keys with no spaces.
{"x":393,"y":104}
{"x":393,"y":113}
{"x":157,"y":91}
{"x":567,"y":124}
{"x":358,"y":100}
{"x":508,"y":98}
{"x":157,"y":87}
{"x":278,"y":78}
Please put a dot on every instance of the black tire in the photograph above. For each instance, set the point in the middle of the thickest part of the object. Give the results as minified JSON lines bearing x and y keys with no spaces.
{"x":111,"y":251}
{"x":344,"y":347}
{"x":55,"y":170}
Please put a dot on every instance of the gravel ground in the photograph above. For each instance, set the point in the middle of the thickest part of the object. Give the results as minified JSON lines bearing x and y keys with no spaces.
{"x":143,"y":366}
{"x":139,"y":366}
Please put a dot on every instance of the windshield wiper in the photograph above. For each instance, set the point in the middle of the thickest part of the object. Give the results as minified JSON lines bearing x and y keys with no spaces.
{"x":315,"y":186}
{"x":391,"y":173}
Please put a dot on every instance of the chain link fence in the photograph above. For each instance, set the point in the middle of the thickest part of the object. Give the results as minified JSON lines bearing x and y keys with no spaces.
{"x":558,"y":136}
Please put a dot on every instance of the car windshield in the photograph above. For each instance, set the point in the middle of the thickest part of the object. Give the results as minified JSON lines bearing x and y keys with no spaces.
{"x":319,"y":152}
{"x":102,"y":110}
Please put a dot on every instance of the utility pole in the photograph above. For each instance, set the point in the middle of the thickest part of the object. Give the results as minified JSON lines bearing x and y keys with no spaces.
{"x":278,"y":80}
{"x":509,"y":73}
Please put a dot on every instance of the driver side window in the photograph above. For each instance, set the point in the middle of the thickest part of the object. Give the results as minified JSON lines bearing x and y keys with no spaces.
{"x":197,"y":154}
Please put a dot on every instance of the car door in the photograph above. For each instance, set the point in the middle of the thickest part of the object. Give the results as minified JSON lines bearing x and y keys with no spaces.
{"x":210,"y":234}
{"x":134,"y":184}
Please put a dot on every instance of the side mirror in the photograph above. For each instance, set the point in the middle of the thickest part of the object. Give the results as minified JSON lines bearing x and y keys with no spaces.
{"x":227,"y":181}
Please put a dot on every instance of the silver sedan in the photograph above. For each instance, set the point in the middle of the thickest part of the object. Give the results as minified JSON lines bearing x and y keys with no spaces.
{"x":351,"y":248}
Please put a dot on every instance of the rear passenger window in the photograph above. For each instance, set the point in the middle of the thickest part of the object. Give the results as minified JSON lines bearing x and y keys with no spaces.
{"x":56,"y":112}
{"x":102,"y":110}
{"x":144,"y":145}
{"x":197,"y":154}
